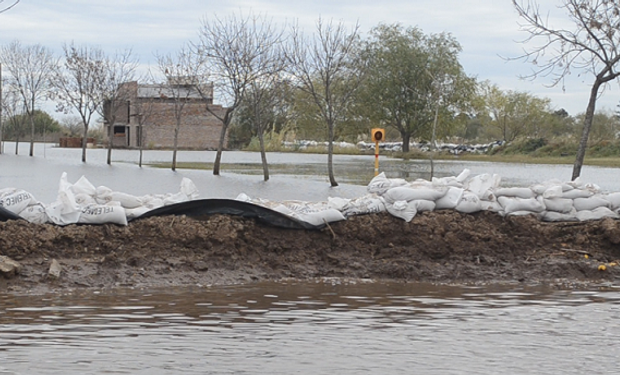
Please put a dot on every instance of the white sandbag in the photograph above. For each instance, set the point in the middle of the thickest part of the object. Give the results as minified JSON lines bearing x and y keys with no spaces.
{"x":492,"y":206}
{"x":152,"y":202}
{"x":380,"y":184}
{"x":175,"y":198}
{"x":553,"y":216}
{"x":515,"y":192}
{"x":518,"y":204}
{"x":133,"y":213}
{"x":560,"y":205}
{"x":421,"y":183}
{"x":591,"y":203}
{"x":424,"y":205}
{"x":553,"y":192}
{"x":402,"y":209}
{"x":103,"y":194}
{"x":83,"y":186}
{"x":35,"y":214}
{"x":450,"y":200}
{"x":103,"y":214}
{"x":523,"y":213}
{"x":403,"y":193}
{"x":613,"y":199}
{"x":596,"y":214}
{"x":329,"y":215}
{"x":84,"y":200}
{"x":366,"y":204}
{"x":577,"y":193}
{"x":446,"y":181}
{"x":337,"y":203}
{"x":483,"y":185}
{"x":463,"y":175}
{"x":16,"y":200}
{"x":469,"y":203}
{"x":540,"y":189}
{"x":65,"y":210}
{"x":126,"y":200}
{"x":189,"y":189}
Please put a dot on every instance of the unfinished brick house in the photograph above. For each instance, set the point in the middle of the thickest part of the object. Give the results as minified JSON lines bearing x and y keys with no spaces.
{"x":146,"y":116}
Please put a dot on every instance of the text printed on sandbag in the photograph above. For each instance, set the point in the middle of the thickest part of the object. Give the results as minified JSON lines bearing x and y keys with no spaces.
{"x":100,"y":210}
{"x":16,"y":199}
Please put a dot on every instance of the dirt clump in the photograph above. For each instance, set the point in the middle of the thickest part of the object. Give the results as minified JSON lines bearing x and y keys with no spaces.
{"x":443,"y":247}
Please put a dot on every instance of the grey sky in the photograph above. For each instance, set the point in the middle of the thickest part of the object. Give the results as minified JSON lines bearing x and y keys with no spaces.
{"x":486,"y":29}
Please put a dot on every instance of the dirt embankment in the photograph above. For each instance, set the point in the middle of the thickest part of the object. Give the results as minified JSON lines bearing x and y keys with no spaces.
{"x":435,"y":247}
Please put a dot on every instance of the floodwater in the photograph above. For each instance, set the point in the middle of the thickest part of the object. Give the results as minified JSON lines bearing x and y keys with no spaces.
{"x":325,"y":327}
{"x":314,"y":328}
{"x":293,"y":176}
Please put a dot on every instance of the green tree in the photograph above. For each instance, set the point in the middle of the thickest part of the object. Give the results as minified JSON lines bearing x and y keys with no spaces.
{"x":414,"y":81}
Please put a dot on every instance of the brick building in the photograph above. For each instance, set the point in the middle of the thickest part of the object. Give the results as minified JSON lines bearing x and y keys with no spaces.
{"x":146,"y":116}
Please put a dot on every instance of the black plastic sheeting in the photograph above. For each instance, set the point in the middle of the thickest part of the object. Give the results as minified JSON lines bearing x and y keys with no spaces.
{"x":8,"y":215}
{"x":205,"y":207}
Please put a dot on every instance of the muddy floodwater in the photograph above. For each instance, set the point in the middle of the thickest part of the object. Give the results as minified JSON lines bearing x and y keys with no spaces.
{"x":327,"y":326}
{"x":314,"y":328}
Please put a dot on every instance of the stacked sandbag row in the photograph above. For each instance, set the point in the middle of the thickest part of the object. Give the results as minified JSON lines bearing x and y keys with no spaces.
{"x":550,"y":201}
{"x":83,"y":203}
{"x":315,"y":213}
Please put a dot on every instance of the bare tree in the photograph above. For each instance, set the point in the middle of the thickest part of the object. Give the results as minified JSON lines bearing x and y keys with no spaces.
{"x":593,"y":46}
{"x":181,"y":86}
{"x":324,"y":68}
{"x":236,"y":52}
{"x":78,"y":82}
{"x":118,"y":69}
{"x":30,"y":69}
{"x":6,"y":5}
{"x":143,"y":109}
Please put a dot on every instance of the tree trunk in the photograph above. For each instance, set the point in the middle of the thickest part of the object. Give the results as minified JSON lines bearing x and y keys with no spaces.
{"x":587,"y":125}
{"x":263,"y":155}
{"x":111,"y":138}
{"x":31,"y":116}
{"x":141,"y":145}
{"x":84,"y":142}
{"x":220,"y":148}
{"x":406,"y":138}
{"x":174,"y":151}
{"x":330,"y":152}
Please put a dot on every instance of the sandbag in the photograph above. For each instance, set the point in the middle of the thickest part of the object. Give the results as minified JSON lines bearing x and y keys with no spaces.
{"x":554,"y":192}
{"x":422,"y":205}
{"x":613,"y":199}
{"x":317,"y":218}
{"x":469,"y":203}
{"x":553,"y":216}
{"x":83,"y":186}
{"x":189,"y":189}
{"x":515,"y":192}
{"x":577,"y":193}
{"x":403,"y":193}
{"x":483,"y":185}
{"x":35,"y":214}
{"x":402,"y":209}
{"x":103,"y":214}
{"x":560,"y":205}
{"x":363,"y":205}
{"x":450,"y":200}
{"x":380,"y":184}
{"x":492,"y":206}
{"x":65,"y":210}
{"x":596,"y":214}
{"x":16,"y":200}
{"x":591,"y":203}
{"x":518,"y":204}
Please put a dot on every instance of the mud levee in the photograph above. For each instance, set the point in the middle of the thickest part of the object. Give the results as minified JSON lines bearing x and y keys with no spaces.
{"x":443,"y":246}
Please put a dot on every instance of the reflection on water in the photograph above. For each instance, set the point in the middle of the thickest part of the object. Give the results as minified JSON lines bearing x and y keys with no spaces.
{"x":313,"y":328}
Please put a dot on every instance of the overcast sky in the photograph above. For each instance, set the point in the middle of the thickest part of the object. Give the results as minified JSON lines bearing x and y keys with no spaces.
{"x":486,"y":29}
